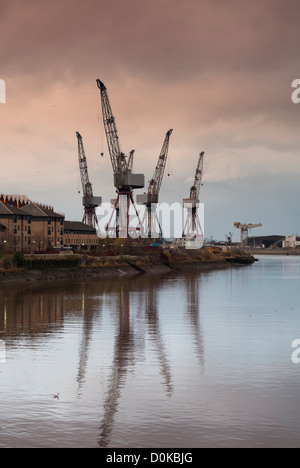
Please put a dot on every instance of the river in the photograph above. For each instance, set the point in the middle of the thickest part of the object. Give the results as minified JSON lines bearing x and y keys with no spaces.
{"x":182,"y":360}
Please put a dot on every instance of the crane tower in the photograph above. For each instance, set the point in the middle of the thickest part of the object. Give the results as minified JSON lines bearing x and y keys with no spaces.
{"x":89,"y":202}
{"x":124,"y":180}
{"x":150,"y":199}
{"x":192,"y":228}
{"x":244,"y":231}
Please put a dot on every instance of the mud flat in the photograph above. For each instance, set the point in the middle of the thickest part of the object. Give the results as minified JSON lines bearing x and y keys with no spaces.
{"x":49,"y":268}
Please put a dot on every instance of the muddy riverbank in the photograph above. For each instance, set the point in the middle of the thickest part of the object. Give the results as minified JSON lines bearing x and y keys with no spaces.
{"x":49,"y":268}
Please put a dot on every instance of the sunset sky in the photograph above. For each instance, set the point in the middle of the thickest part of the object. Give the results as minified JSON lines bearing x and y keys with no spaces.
{"x":219,"y":72}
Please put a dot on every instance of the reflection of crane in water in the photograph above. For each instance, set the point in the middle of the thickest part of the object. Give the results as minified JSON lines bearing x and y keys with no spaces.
{"x":123,"y":355}
{"x":193,"y":311}
{"x":153,"y":327}
{"x":90,"y":304}
{"x":124,"y":350}
{"x":84,"y":345}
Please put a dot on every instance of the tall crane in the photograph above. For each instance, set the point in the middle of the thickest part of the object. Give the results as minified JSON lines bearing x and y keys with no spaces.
{"x":244,"y":231}
{"x":124,"y":181}
{"x":192,"y":228}
{"x":150,"y":199}
{"x":89,"y":202}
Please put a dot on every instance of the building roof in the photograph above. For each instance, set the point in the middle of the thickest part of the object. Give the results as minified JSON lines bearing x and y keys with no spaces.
{"x":22,"y":199}
{"x":7,"y":209}
{"x":39,"y":211}
{"x":79,"y":227}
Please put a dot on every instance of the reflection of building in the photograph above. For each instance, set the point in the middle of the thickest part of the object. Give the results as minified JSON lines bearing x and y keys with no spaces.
{"x":35,"y":310}
{"x":20,"y":311}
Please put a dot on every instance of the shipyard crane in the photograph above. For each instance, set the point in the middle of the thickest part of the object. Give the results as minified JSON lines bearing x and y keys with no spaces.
{"x":244,"y":231}
{"x":89,"y":202}
{"x":124,"y":181}
{"x":150,"y":199}
{"x":192,"y":228}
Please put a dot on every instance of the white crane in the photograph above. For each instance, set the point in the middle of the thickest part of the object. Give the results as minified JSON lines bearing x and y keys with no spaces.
{"x":192,"y":228}
{"x":244,"y":230}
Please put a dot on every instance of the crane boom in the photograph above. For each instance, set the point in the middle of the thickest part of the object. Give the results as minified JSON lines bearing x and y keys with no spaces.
{"x":195,"y":189}
{"x":155,"y":182}
{"x":245,"y":227}
{"x":130,"y":161}
{"x":118,"y":159}
{"x":86,"y":185}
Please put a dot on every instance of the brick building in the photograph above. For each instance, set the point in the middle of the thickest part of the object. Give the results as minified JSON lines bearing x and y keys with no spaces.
{"x":15,"y":229}
{"x":80,"y":236}
{"x":47,"y":229}
{"x":31,"y":227}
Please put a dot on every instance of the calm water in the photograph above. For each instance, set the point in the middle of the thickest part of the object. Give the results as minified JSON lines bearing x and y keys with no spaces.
{"x":188,"y":360}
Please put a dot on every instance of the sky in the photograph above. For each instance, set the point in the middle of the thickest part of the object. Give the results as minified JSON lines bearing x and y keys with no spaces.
{"x":218,"y":72}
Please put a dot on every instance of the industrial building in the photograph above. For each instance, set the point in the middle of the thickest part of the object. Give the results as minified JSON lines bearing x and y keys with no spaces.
{"x":291,"y":242}
{"x":265,"y":241}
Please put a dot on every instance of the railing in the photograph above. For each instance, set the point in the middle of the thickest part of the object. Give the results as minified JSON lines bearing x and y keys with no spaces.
{"x":53,"y":256}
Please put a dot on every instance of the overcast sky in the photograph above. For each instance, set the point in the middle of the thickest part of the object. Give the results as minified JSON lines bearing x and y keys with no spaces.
{"x":219,"y":72}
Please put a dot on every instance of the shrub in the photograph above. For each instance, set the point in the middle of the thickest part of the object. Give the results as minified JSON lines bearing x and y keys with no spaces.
{"x":7,"y":262}
{"x":19,"y":259}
